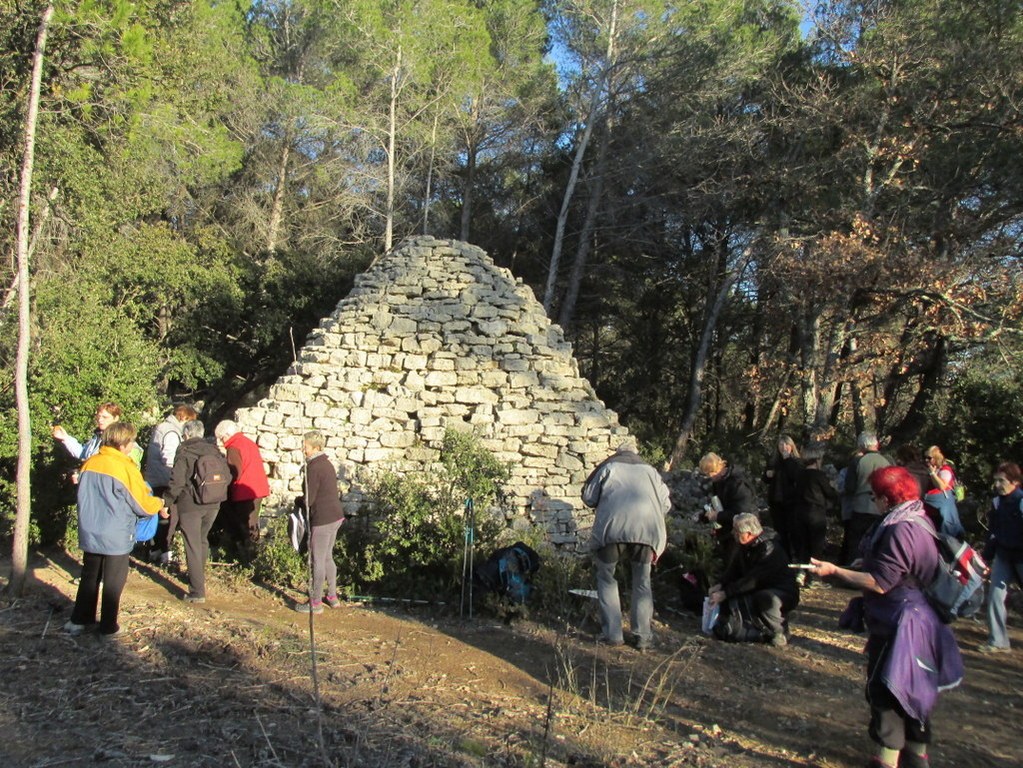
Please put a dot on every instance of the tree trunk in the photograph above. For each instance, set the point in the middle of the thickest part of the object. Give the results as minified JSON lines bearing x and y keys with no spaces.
{"x":809,"y":352}
{"x":392,"y":130}
{"x":23,"y":514}
{"x":471,"y":150}
{"x":580,"y":153}
{"x":429,"y":175}
{"x":699,"y":369}
{"x":12,"y":289}
{"x":277,"y":209}
{"x":582,"y":253}
{"x":828,"y":390}
{"x":933,"y":373}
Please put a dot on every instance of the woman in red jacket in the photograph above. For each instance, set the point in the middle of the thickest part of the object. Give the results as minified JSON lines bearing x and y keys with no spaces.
{"x":249,"y":485}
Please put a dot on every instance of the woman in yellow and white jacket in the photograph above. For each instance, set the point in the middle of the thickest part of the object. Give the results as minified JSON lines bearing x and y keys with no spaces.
{"x":111,"y":497}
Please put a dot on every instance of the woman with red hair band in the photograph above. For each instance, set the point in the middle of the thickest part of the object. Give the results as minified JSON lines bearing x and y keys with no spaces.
{"x":911,"y":655}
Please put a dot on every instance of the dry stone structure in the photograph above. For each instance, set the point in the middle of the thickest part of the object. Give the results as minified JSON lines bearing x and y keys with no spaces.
{"x":435,"y":336}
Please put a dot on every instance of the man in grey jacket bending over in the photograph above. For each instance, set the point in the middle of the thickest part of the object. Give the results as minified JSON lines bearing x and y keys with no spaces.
{"x":631,"y":501}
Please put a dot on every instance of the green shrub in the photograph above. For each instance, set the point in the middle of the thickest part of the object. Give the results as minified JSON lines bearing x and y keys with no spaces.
{"x":416,"y":543}
{"x":276,"y":561}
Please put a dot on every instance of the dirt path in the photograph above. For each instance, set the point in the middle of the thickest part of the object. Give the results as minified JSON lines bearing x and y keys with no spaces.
{"x":228,"y":684}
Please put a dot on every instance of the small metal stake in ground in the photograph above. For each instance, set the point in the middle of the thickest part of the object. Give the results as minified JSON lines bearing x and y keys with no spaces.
{"x":467,"y":557}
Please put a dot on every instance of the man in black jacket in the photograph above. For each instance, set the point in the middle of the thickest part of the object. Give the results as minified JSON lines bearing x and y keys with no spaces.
{"x":758,"y":589}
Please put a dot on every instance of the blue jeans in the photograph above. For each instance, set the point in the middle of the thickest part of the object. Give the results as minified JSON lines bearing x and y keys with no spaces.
{"x":605,"y":560}
{"x":1003,"y":571}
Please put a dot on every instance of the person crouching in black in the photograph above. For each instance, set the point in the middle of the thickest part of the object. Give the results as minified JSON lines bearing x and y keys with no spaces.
{"x":758,"y":589}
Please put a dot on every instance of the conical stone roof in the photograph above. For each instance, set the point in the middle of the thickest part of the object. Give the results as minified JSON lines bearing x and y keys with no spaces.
{"x":432,"y":336}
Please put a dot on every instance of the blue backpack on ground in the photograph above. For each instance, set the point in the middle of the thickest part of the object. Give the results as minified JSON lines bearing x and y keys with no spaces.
{"x":509,"y":572}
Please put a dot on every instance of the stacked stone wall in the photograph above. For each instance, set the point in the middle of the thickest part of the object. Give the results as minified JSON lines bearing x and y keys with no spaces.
{"x":435,"y":336}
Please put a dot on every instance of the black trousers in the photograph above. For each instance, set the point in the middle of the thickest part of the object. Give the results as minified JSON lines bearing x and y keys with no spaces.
{"x":195,"y":526}
{"x":859,"y":525}
{"x":890,"y":726}
{"x":809,"y":537}
{"x":112,"y":571}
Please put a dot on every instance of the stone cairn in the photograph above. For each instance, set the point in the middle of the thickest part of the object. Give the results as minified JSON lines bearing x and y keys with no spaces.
{"x":435,"y":336}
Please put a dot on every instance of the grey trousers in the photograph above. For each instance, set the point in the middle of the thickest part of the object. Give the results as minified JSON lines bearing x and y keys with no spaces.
{"x":321,"y":550}
{"x":605,"y":560}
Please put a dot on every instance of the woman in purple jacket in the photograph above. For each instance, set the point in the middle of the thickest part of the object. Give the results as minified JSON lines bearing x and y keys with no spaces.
{"x":911,"y":655}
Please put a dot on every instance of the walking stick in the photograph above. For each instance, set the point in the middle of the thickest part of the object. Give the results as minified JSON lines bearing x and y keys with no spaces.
{"x":467,"y":557}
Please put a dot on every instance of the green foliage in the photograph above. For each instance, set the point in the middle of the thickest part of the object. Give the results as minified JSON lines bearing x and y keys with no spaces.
{"x":472,"y":472}
{"x":979,"y":423}
{"x":419,"y":525}
{"x":276,"y":561}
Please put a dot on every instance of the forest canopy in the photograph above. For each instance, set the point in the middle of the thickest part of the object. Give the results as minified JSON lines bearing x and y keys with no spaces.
{"x":750,"y":216}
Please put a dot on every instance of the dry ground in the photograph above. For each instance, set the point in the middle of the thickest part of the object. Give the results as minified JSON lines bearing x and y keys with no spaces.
{"x":229,"y":684}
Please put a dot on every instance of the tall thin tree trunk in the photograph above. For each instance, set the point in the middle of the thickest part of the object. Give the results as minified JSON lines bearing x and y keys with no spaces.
{"x":429,"y":175}
{"x":809,"y":352}
{"x":582,"y":253}
{"x":577,"y":161}
{"x":392,"y":130}
{"x":471,"y":151}
{"x":277,"y":209}
{"x":699,"y":368}
{"x":23,"y":514}
{"x":37,"y":229}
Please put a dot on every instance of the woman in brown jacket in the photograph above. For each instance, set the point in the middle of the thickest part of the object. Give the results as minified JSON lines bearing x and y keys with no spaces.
{"x":325,"y":518}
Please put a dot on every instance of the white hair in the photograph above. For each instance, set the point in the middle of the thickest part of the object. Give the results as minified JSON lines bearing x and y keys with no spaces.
{"x":747,"y":522}
{"x":226,"y":429}
{"x":867,"y":441}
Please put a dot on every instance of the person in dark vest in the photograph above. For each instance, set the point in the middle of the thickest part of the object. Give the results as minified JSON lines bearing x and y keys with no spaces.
{"x":865,"y":512}
{"x":782,"y":477}
{"x":816,"y":496}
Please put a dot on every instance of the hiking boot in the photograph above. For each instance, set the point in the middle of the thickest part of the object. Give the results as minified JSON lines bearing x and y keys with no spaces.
{"x":196,"y":599}
{"x":778,"y":641}
{"x":641,"y":643}
{"x":910,"y":759}
{"x":988,"y":648}
{"x":603,"y":639}
{"x":166,"y":558}
{"x":332,"y":602}
{"x":316,"y":606}
{"x":74,"y":629}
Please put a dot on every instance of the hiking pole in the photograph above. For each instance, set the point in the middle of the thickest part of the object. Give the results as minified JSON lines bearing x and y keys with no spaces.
{"x":467,"y":557}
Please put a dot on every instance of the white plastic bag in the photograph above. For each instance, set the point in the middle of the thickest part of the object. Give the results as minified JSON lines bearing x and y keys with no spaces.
{"x":710,"y":615}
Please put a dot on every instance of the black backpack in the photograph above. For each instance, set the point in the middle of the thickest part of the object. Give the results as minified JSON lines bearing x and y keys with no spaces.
{"x":210,"y":479}
{"x":509,"y":572}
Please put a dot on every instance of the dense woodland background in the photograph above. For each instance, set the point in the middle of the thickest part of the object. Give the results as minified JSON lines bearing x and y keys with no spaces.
{"x":750,"y":216}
